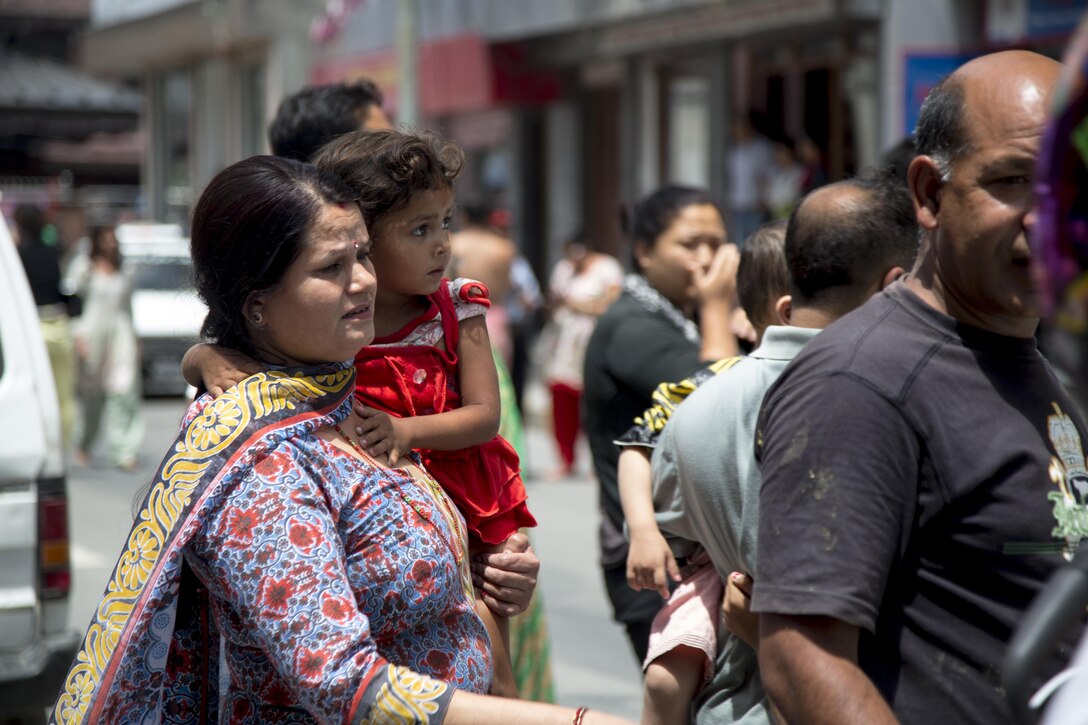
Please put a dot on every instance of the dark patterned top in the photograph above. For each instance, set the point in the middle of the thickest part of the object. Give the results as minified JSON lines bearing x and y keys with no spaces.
{"x":310,"y":531}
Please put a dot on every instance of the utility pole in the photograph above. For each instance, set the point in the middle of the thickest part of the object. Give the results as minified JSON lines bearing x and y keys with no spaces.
{"x":407,"y":62}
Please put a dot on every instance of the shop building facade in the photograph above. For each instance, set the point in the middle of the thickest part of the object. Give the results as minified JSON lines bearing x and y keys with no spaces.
{"x":566,"y":109}
{"x":212,"y":74}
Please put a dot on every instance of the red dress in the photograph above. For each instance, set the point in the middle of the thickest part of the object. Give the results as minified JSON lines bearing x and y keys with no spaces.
{"x":414,"y":372}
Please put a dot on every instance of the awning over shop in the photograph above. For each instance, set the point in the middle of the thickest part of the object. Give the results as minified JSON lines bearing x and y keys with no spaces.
{"x":78,"y":9}
{"x":40,"y":97}
{"x":119,"y":149}
{"x":456,"y":75}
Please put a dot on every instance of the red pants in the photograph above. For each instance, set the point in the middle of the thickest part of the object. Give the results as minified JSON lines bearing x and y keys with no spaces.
{"x":566,"y":420}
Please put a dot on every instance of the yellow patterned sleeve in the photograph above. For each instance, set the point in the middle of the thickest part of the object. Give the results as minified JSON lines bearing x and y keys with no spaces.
{"x":666,"y":397}
{"x":403,"y":697}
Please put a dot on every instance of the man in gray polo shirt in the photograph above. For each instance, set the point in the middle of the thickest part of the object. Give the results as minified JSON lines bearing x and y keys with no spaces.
{"x":844,"y":243}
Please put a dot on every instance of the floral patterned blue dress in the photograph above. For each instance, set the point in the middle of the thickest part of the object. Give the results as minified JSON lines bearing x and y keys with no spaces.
{"x":294,"y":582}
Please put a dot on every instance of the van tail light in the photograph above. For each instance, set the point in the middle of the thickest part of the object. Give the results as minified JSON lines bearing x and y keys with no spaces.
{"x":56,"y":573}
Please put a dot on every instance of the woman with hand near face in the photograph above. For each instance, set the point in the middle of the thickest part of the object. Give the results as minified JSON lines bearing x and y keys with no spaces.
{"x":276,"y":571}
{"x":672,"y":318}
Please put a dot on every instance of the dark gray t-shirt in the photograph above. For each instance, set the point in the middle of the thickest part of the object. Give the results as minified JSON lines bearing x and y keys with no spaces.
{"x":907,"y":465}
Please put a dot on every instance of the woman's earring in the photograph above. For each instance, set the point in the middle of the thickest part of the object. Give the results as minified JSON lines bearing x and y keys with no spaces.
{"x":257,"y":319}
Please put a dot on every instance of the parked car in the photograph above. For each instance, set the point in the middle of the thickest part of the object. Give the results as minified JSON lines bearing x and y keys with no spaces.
{"x":167,"y":313}
{"x":36,"y":645}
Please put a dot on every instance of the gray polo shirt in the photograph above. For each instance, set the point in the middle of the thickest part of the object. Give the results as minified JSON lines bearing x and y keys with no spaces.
{"x":706,"y":489}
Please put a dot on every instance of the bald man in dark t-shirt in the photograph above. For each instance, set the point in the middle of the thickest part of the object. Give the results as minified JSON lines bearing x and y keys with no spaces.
{"x":921,"y":464}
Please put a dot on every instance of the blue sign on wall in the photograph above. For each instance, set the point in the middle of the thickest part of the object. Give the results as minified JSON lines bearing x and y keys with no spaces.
{"x":920,"y":73}
{"x":1047,"y":18}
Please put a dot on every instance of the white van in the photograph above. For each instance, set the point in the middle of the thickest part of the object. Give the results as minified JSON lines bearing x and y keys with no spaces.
{"x":166,"y":311}
{"x":36,"y":648}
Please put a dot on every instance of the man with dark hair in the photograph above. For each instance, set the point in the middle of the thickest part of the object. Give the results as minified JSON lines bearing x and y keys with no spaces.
{"x":844,"y":243}
{"x":835,"y":251}
{"x":311,"y":118}
{"x":941,"y":133}
{"x":917,"y":457}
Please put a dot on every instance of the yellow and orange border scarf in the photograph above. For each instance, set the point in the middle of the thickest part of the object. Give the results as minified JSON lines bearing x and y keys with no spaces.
{"x":120,"y":670}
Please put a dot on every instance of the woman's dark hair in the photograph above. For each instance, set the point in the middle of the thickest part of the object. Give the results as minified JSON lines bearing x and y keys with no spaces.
{"x":648,"y":218}
{"x":387,"y":168}
{"x":763,"y":275}
{"x":97,"y":251}
{"x":248,"y":227}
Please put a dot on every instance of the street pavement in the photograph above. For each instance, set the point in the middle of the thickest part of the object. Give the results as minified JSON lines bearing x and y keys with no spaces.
{"x":592,"y":662}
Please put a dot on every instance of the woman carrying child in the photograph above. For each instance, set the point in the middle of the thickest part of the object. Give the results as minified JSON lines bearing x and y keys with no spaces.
{"x":276,"y":572}
{"x":428,"y":383}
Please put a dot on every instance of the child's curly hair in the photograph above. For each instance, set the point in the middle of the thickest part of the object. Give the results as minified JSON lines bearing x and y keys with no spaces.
{"x":387,"y":168}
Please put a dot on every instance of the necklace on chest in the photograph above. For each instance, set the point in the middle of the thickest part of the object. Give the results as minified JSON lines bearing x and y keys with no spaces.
{"x":442,"y":504}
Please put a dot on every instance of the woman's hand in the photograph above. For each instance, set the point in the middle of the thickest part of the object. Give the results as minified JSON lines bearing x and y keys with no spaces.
{"x":716,"y":289}
{"x":718,"y":283}
{"x":737,"y":615}
{"x":383,"y":436}
{"x":650,"y":563}
{"x":506,"y":579}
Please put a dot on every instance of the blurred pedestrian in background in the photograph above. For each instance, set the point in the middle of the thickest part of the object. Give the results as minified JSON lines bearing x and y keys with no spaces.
{"x":581,"y":287}
{"x":524,"y":304}
{"x":42,"y":261}
{"x":812,"y":159}
{"x":482,"y":250}
{"x":481,"y":253}
{"x":684,"y":269}
{"x":785,"y":180}
{"x":747,"y":164}
{"x":109,"y":356}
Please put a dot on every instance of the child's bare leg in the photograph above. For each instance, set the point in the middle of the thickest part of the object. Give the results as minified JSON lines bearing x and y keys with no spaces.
{"x":670,"y":685}
{"x":503,"y":682}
